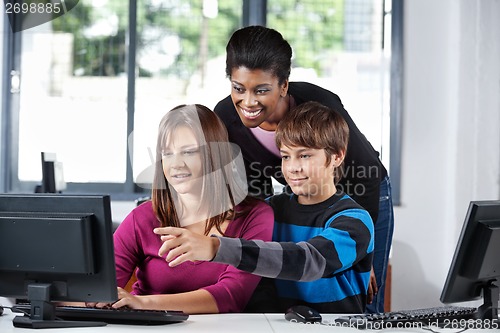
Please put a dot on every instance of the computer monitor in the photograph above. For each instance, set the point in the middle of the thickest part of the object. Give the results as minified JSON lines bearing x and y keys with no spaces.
{"x":56,"y":248}
{"x":475,"y":268}
{"x":52,"y":174}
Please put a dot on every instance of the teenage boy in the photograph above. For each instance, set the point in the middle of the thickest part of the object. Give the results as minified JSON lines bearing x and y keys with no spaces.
{"x":322,"y":247}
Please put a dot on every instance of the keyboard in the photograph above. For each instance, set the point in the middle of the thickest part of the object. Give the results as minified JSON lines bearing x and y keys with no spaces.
{"x":124,"y":315}
{"x":443,"y":317}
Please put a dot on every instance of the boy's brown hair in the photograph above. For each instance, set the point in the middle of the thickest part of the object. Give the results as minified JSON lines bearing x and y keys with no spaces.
{"x":314,"y":125}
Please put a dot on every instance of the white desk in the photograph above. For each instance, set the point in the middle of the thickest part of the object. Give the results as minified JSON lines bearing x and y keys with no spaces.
{"x":244,"y":323}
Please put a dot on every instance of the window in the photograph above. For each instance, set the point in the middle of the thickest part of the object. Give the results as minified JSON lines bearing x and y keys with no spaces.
{"x":85,"y":97}
{"x":180,"y":60}
{"x":75,"y":95}
{"x":339,"y":45}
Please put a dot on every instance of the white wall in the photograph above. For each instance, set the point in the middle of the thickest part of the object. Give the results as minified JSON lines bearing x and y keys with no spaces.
{"x":451,"y":137}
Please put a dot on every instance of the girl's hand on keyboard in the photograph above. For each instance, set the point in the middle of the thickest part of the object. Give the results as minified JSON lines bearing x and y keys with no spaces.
{"x":98,"y":305}
{"x":126,"y":299}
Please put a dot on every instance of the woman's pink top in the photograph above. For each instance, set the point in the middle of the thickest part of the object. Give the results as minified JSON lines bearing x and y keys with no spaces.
{"x":136,"y":246}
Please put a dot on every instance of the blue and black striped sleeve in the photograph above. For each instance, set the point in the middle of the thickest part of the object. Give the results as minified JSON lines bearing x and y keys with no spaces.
{"x":346,"y":239}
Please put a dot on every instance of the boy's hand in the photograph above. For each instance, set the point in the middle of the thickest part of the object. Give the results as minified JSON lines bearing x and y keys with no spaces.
{"x":182,"y":245}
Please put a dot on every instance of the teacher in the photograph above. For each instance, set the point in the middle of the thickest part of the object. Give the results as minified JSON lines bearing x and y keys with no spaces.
{"x":258,"y":65}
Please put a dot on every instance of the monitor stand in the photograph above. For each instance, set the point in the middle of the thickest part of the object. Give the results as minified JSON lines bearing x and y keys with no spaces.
{"x":42,"y":313}
{"x":489,"y":310}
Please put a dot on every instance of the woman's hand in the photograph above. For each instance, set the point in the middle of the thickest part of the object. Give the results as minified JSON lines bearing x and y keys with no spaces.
{"x":124,"y":299}
{"x":127,"y":299}
{"x":182,"y":245}
{"x":372,"y":287}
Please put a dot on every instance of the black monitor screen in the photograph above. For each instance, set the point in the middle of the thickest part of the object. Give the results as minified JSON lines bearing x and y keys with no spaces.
{"x":56,"y":247}
{"x":475,"y":268}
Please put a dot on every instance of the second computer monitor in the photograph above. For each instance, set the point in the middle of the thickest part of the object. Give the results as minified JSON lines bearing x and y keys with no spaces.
{"x":475,"y":268}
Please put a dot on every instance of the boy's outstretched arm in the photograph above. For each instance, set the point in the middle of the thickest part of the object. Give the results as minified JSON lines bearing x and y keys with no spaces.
{"x":334,"y":250}
{"x":182,"y":245}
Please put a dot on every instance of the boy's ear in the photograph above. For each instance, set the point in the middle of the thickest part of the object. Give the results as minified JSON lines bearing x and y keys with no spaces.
{"x":339,"y":158}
